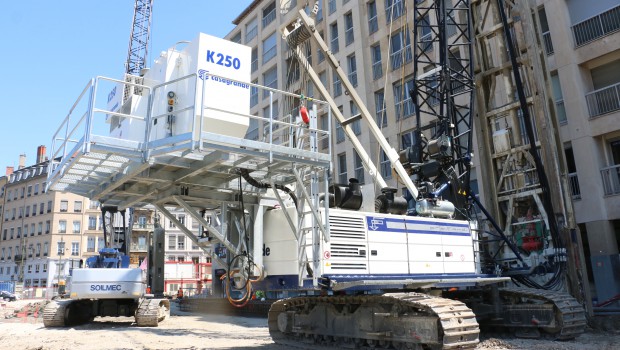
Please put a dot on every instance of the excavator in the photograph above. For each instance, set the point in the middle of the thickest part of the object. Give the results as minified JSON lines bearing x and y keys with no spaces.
{"x":407,"y":272}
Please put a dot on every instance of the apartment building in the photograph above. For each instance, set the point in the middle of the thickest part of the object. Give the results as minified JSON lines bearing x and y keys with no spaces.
{"x":44,"y":233}
{"x":373,"y":42}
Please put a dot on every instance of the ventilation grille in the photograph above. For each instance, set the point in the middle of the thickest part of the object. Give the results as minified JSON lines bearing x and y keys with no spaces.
{"x":348,"y":250}
{"x":347,"y":227}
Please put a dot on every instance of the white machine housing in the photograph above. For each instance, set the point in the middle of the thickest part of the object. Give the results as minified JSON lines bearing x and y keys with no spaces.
{"x":102,"y":283}
{"x":376,"y":244}
{"x":216,"y":89}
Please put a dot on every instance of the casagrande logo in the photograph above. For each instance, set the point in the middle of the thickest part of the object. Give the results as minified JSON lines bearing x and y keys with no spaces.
{"x":204,"y":75}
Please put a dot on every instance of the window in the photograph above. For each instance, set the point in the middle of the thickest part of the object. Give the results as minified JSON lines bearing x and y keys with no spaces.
{"x":21,"y":212}
{"x":373,"y":25}
{"x":252,"y":133}
{"x":41,"y":208}
{"x":92,"y":222}
{"x":90,"y":244}
{"x":171,"y":224}
{"x":337,"y":84}
{"x":380,"y":109}
{"x":253,"y":95}
{"x":77,"y":226}
{"x":29,"y":268}
{"x":270,"y":79}
{"x":32,"y":229}
{"x":77,"y":206}
{"x":29,"y":191}
{"x":325,"y":127}
{"x":267,"y":116}
{"x":236,"y":38}
{"x":319,"y":14}
{"x":48,"y":225}
{"x":172,"y":242}
{"x":9,"y":195}
{"x":402,"y":103}
{"x":385,"y":165}
{"x":400,"y":49}
{"x":269,"y":14}
{"x":38,"y":251}
{"x":393,"y":9}
{"x":93,"y":205}
{"x":12,"y":231}
{"x":333,"y":29}
{"x":352,"y":63}
{"x":60,"y":248}
{"x":36,"y":189}
{"x":100,"y":243}
{"x":40,"y":230}
{"x":426,"y":39}
{"x":269,"y":47}
{"x":342,"y":168}
{"x":254,"y":64}
{"x":10,"y":255}
{"x":4,"y":235}
{"x":332,"y":6}
{"x":181,"y":242}
{"x":64,"y":206}
{"x":34,"y":210}
{"x":27,"y":211}
{"x":45,"y":250}
{"x":356,"y":125}
{"x":251,"y":29}
{"x":181,"y":219}
{"x":75,"y":248}
{"x":37,"y":268}
{"x":62,"y":226}
{"x":358,"y":167}
{"x":19,"y":232}
{"x":348,"y":29}
{"x":377,"y":69}
{"x":49,"y":206}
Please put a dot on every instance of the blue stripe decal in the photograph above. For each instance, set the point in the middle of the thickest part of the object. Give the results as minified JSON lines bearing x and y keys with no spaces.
{"x":383,"y":224}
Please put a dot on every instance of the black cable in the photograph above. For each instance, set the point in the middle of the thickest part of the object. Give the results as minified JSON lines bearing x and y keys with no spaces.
{"x":245,"y":173}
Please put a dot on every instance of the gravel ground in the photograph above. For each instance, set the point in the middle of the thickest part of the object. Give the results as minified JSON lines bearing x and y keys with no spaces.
{"x":205,"y":331}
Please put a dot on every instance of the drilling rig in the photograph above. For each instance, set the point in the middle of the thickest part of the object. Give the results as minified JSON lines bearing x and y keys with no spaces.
{"x":408,"y":274}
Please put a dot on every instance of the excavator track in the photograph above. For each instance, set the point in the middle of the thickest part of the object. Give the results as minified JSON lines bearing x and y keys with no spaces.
{"x":54,"y":314}
{"x":567,"y":320}
{"x":394,"y":320}
{"x":152,"y":311}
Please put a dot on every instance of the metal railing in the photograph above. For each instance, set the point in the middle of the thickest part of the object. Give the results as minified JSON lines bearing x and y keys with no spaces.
{"x":268,"y":18}
{"x":548,"y":43}
{"x":561,"y":111}
{"x":251,"y":34}
{"x":603,"y":100}
{"x":611,"y":179}
{"x":597,"y":26}
{"x":377,"y":70}
{"x":573,"y":182}
{"x":373,"y":24}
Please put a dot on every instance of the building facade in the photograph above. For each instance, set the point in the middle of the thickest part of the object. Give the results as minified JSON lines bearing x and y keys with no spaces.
{"x":44,"y":233}
{"x":373,"y":43}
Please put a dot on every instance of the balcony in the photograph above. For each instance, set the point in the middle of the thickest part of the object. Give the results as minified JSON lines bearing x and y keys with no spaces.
{"x":139,"y":226}
{"x":611,"y":179}
{"x":603,"y":101}
{"x":139,"y":248}
{"x":596,"y":27}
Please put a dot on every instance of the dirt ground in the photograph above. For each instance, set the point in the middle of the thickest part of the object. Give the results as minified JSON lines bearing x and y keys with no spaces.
{"x":205,"y":331}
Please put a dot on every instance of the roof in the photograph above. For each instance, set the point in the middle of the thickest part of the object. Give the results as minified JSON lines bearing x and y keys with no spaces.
{"x":246,"y":12}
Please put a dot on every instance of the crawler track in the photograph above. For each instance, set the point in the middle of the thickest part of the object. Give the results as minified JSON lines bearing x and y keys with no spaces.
{"x":54,"y":314}
{"x":566,"y":319}
{"x":152,"y":311}
{"x":398,"y":320}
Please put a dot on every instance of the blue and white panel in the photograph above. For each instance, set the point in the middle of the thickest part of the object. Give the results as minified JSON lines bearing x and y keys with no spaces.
{"x":347,"y":251}
{"x":387,"y":244}
{"x":439,"y":246}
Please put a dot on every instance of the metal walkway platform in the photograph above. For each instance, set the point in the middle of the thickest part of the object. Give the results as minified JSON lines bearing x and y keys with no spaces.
{"x":201,"y":167}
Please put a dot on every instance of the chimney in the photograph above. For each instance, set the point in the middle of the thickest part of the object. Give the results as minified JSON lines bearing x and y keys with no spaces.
{"x":41,"y":154}
{"x":22,"y":161}
{"x":9,"y":170}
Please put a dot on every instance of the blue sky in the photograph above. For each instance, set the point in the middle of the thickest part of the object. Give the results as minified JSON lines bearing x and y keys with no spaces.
{"x":51,"y":49}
